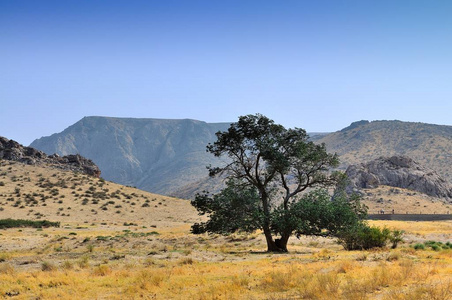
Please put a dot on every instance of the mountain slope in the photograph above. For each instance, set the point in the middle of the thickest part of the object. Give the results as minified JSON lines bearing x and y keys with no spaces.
{"x":428,"y":144}
{"x":152,"y":154}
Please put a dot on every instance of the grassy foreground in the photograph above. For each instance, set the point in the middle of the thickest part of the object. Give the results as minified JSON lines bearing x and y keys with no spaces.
{"x":130,"y":262}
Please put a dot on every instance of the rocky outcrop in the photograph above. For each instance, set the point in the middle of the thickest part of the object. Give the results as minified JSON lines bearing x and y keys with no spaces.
{"x":12,"y":150}
{"x":398,"y":171}
{"x":362,"y":141}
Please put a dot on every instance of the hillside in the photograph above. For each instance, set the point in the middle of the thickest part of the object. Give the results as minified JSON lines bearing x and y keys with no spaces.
{"x":428,"y":144}
{"x":42,"y":192}
{"x":152,"y":154}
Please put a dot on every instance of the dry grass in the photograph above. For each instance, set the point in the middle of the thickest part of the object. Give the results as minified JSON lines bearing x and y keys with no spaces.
{"x":403,"y":201}
{"x":109,"y":258}
{"x":215,"y":270}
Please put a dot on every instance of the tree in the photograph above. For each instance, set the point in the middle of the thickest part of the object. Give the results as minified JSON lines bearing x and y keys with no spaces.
{"x":270,"y":166}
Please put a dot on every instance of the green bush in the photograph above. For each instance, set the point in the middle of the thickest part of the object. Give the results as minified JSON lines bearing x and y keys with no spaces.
{"x":419,"y":246}
{"x":13,"y":223}
{"x":364,"y":237}
{"x":434,"y":245}
{"x":396,"y":237}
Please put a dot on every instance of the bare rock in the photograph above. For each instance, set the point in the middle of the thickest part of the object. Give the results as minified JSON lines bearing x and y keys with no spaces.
{"x":398,"y":171}
{"x":12,"y":150}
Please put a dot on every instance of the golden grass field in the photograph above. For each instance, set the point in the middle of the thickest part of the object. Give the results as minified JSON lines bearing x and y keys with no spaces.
{"x":147,"y":252}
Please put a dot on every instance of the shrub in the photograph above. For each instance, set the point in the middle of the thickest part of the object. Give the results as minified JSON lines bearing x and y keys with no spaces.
{"x":419,"y":246}
{"x":364,"y":237}
{"x":83,"y":262}
{"x":12,"y":223}
{"x":396,"y":237}
{"x":436,"y":247}
{"x":48,"y":266}
{"x":67,"y":265}
{"x":102,"y":270}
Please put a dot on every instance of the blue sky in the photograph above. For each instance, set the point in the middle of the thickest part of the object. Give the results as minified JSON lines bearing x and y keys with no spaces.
{"x":318,"y":65}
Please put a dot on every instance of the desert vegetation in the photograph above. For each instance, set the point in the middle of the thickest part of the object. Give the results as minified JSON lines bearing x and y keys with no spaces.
{"x":136,"y":261}
{"x":41,"y":193}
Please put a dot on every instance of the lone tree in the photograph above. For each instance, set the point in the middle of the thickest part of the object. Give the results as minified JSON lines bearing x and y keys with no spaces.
{"x":270,"y":166}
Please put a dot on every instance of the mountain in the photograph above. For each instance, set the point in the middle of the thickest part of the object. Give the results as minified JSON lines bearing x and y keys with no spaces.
{"x":169,"y":156}
{"x":155,"y":155}
{"x":428,"y":144}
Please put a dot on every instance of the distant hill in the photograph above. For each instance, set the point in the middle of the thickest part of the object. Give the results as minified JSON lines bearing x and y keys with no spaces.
{"x":155,"y":155}
{"x":428,"y":144}
{"x":169,"y":156}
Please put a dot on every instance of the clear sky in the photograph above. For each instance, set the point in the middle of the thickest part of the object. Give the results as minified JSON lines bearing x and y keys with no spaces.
{"x":318,"y":65}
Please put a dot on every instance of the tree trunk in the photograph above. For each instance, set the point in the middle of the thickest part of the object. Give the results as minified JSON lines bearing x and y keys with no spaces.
{"x":278,"y":245}
{"x":282,"y":242}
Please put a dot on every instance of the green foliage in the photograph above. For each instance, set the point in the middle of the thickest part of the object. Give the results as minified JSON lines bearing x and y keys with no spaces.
{"x":270,"y":166}
{"x":364,"y":237}
{"x":17,"y":223}
{"x":316,"y":213}
{"x":436,"y":246}
{"x":236,"y":208}
{"x":396,"y":237}
{"x":419,"y":246}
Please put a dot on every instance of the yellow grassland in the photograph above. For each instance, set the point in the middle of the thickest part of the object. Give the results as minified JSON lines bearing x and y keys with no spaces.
{"x":104,"y":256}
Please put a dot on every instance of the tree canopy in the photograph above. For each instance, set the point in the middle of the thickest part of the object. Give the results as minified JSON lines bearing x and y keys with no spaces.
{"x":270,"y":167}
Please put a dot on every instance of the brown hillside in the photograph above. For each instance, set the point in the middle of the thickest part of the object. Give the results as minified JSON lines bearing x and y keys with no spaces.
{"x":40,"y":192}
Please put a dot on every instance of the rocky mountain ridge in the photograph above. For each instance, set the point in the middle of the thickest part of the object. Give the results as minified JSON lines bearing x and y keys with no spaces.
{"x":12,"y":150}
{"x":398,"y":171}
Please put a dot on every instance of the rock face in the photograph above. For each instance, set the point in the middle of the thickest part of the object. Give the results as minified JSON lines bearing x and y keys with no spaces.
{"x":362,"y":141}
{"x":398,"y":171}
{"x":156,"y":155}
{"x":12,"y":150}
